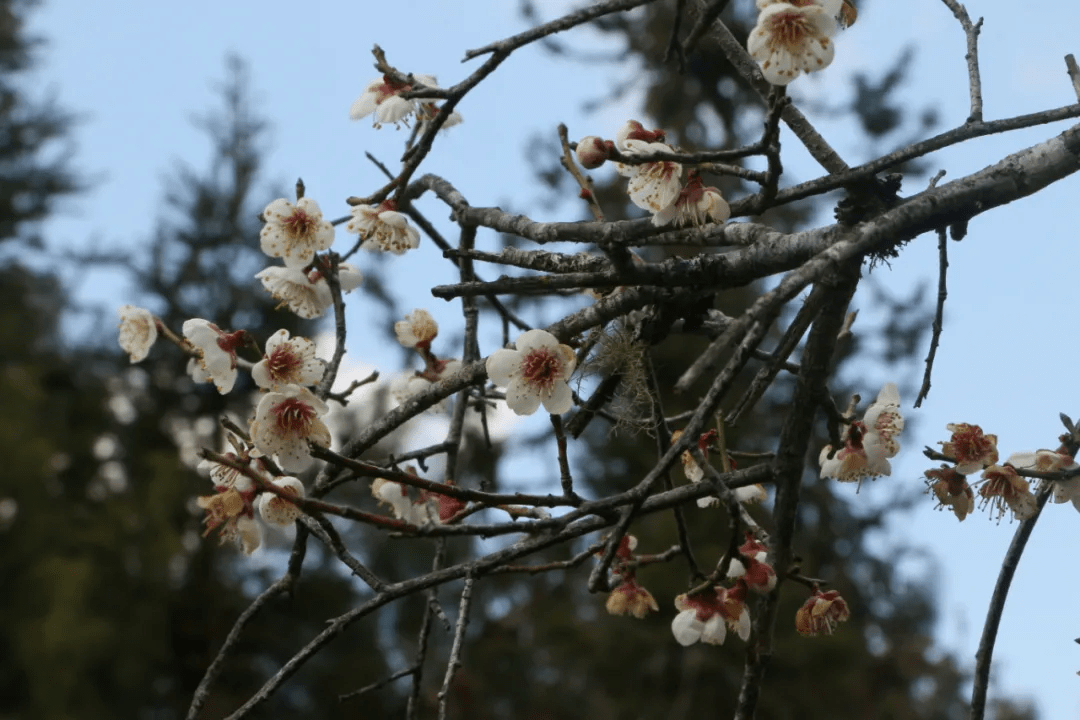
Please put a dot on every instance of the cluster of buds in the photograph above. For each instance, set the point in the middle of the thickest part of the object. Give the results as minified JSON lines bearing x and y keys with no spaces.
{"x":868,"y":443}
{"x":416,"y":332}
{"x":656,"y":186}
{"x":629,"y":597}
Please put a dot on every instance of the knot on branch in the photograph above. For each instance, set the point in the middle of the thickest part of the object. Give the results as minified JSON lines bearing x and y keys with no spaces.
{"x":867,"y":198}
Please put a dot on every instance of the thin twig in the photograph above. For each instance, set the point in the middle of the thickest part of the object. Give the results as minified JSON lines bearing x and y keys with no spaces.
{"x":1009,"y":563}
{"x":454,"y":662}
{"x":971,"y":31}
{"x":939,"y":314}
{"x":1074,"y":73}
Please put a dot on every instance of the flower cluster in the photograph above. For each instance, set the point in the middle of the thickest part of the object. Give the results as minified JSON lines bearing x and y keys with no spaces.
{"x":868,"y":443}
{"x":793,"y":36}
{"x":535,"y":372}
{"x":383,"y":98}
{"x":426,"y":508}
{"x":1000,"y":487}
{"x":232,"y":509}
{"x":656,"y":186}
{"x":706,"y":616}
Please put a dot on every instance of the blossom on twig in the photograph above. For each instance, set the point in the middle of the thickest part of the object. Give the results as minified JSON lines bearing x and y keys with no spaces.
{"x":970,"y":448}
{"x":382,"y":227}
{"x":793,"y":37}
{"x":653,"y":186}
{"x":308,"y":295}
{"x":217,"y":351}
{"x":706,"y":615}
{"x":275,"y":509}
{"x":1002,"y":487}
{"x":285,"y":422}
{"x":536,"y":372}
{"x":952,"y":491}
{"x":295,"y":233}
{"x":288,"y":362}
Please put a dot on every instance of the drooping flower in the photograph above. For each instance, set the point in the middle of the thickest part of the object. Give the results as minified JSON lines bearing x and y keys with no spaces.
{"x":653,"y":186}
{"x":631,"y":598}
{"x":285,"y":422}
{"x":217,"y":350}
{"x":970,"y":448}
{"x":288,"y":362}
{"x":306,"y":295}
{"x":1002,"y":487}
{"x":382,"y":227}
{"x":793,"y":37}
{"x":138,"y":331}
{"x":857,"y":460}
{"x":758,"y":575}
{"x":295,"y":233}
{"x":883,"y":420}
{"x":275,"y":509}
{"x":695,"y":205}
{"x":821,"y":612}
{"x":706,"y":615}
{"x":952,"y":491}
{"x":694,"y":472}
{"x":536,"y":372}
{"x":232,"y":512}
{"x":417,"y":330}
{"x":382,"y":97}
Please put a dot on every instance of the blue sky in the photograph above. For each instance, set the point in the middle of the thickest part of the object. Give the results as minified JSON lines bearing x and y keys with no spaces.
{"x":138,"y":73}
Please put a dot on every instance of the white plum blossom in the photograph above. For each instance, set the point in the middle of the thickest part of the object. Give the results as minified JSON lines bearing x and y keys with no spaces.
{"x":971,"y":448}
{"x":793,"y":37}
{"x":869,"y":443}
{"x":138,"y":331}
{"x":217,"y":351}
{"x":706,"y":616}
{"x":418,"y":329}
{"x":883,"y":420}
{"x":1052,"y":461}
{"x":1002,"y":487}
{"x":295,"y":233}
{"x":696,"y":205}
{"x":382,"y":227}
{"x":288,"y":362}
{"x":285,"y":422}
{"x":653,"y":186}
{"x":307,"y":295}
{"x":536,"y":372}
{"x":275,"y":509}
{"x":382,"y":97}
